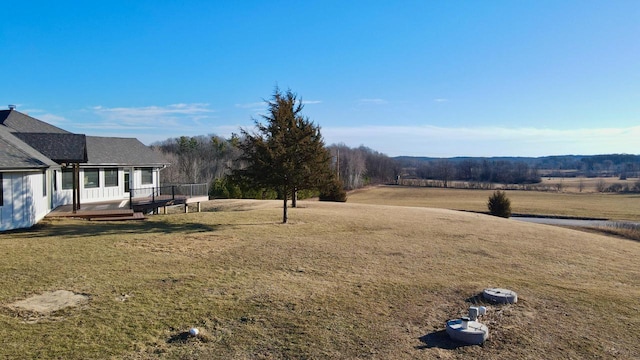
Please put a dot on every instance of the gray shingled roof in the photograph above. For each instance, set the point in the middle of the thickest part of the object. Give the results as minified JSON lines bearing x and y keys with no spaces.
{"x":121,"y":151}
{"x":22,"y":123}
{"x":59,"y":147}
{"x":15,"y":154}
{"x":23,"y":137}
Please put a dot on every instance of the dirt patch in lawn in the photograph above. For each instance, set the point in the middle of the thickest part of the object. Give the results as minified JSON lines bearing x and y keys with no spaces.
{"x":41,"y":306}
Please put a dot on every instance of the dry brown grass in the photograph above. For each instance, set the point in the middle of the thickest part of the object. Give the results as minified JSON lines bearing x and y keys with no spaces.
{"x":591,"y":205}
{"x":341,"y":281}
{"x":588,"y":185}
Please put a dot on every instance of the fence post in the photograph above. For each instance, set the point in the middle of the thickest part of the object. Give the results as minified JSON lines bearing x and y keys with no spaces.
{"x":173,"y":192}
{"x":131,"y":199}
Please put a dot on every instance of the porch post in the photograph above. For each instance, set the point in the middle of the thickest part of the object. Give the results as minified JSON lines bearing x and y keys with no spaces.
{"x":77,"y":171}
{"x":73,"y":187}
{"x":76,"y":186}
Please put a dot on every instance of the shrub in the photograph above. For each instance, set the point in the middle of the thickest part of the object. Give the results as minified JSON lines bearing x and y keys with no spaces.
{"x":226,"y":188}
{"x":614,"y":188}
{"x":218,"y":189}
{"x":499,"y":204}
{"x":307,"y":194}
{"x":333,"y":192}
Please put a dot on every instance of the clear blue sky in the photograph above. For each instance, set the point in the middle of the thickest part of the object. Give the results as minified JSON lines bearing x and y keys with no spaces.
{"x":420,"y":78}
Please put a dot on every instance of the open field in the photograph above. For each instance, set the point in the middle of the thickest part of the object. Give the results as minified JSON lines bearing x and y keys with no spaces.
{"x":591,"y":205}
{"x":584,"y":184}
{"x":340,"y":281}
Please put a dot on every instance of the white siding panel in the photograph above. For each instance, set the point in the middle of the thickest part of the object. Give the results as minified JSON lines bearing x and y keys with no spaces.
{"x":21,"y":201}
{"x":6,"y":211}
{"x":142,"y":190}
{"x":22,"y":207}
{"x":92,"y":195}
{"x":62,"y":197}
{"x":113,"y":192}
{"x":40,"y":206}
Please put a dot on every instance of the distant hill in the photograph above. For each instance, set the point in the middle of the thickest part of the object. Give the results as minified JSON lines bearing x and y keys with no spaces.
{"x":528,"y":160}
{"x":457,"y":159}
{"x":623,"y":165}
{"x":544,"y":162}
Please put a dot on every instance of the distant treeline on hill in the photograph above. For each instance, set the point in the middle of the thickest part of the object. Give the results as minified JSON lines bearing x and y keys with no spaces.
{"x":519,"y":170}
{"x":209,"y":159}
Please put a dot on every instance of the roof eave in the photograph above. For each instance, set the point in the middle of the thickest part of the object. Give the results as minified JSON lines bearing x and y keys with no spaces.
{"x":127,"y":165}
{"x":23,"y":169}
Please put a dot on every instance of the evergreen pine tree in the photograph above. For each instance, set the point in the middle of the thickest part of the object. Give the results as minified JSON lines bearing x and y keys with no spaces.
{"x":286,"y":153}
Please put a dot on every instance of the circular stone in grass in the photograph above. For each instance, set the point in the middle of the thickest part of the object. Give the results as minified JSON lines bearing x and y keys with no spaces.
{"x":500,"y":296}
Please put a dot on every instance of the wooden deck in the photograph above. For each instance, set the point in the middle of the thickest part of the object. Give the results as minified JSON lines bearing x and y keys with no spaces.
{"x":98,"y":211}
{"x":120,"y":209}
{"x":133,"y":216}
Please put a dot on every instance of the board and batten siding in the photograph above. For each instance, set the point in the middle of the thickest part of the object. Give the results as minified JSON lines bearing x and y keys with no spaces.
{"x":91,"y":194}
{"x":145,"y":188}
{"x":25,"y":201}
{"x":107,"y":193}
{"x":102,"y":192}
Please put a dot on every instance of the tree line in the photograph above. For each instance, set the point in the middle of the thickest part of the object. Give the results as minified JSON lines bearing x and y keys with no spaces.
{"x":362,"y":166}
{"x":197,"y":159}
{"x":483,"y":171}
{"x":607,"y":165}
{"x":285,"y":158}
{"x":211,"y":159}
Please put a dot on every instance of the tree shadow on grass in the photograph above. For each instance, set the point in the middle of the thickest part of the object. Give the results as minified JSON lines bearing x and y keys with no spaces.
{"x":182,"y":337}
{"x":439,"y":339}
{"x":90,"y":229}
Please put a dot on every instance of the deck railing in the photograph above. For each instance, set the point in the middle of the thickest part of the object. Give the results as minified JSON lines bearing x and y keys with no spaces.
{"x":189,"y":190}
{"x":166,"y":193}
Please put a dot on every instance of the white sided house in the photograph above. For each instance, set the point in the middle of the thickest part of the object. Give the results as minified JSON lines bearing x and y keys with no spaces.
{"x":114,"y":166}
{"x":37,"y":162}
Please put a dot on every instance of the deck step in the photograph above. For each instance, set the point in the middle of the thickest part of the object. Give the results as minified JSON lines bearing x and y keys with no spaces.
{"x":92,"y":213}
{"x":107,"y":213}
{"x":133,"y":216}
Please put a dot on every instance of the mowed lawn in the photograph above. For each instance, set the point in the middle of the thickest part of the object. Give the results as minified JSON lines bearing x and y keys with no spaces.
{"x":340,"y":281}
{"x":592,"y":205}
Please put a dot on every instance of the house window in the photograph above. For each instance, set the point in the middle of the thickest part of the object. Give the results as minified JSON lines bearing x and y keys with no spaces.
{"x":110,"y":177}
{"x":55,"y":180}
{"x":44,"y":183}
{"x":146,"y":176}
{"x":91,"y":178}
{"x":67,"y":179}
{"x":1,"y":191}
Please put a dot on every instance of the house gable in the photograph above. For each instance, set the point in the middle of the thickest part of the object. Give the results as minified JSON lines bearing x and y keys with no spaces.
{"x":22,"y":123}
{"x":59,"y":147}
{"x":121,"y":151}
{"x":15,"y":154}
